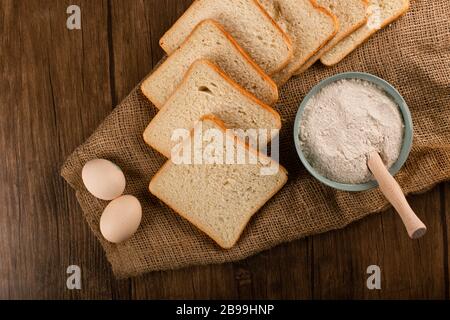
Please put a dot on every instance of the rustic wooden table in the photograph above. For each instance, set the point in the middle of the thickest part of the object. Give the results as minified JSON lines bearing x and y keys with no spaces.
{"x":57,"y":85}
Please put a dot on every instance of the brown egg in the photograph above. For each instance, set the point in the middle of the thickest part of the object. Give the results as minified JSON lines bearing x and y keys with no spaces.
{"x":103,"y":179}
{"x":120,"y":219}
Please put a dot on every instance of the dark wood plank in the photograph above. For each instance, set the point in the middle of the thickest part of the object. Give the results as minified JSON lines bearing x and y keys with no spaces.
{"x":283,"y":272}
{"x":9,"y":192}
{"x":410,"y":269}
{"x":445,"y":201}
{"x":199,"y":282}
{"x":56,"y":99}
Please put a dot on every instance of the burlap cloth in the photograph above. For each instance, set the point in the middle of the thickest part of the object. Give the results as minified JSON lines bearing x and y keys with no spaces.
{"x":413,"y":54}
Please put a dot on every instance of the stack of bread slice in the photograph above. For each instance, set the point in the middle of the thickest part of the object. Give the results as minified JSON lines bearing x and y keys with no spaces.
{"x":226,"y":60}
{"x":328,"y":30}
{"x":380,"y":14}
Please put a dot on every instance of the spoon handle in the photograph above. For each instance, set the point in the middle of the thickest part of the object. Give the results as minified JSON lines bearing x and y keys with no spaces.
{"x":393,"y":192}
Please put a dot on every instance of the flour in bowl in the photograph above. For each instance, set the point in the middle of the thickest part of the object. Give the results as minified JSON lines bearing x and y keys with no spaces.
{"x":346,"y":121}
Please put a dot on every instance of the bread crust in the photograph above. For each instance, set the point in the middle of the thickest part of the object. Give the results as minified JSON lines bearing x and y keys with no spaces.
{"x":387,"y":22}
{"x":249,"y":59}
{"x":286,"y":38}
{"x":197,"y":4}
{"x":226,"y":78}
{"x":220,"y":124}
{"x":243,"y":91}
{"x":166,"y":34}
{"x":335,"y":22}
{"x":282,"y":78}
{"x":155,"y":73}
{"x":331,"y":36}
{"x":350,"y":30}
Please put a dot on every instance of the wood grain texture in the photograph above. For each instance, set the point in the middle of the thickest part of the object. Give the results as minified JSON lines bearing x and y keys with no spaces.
{"x":341,"y":258}
{"x":57,"y":95}
{"x":445,"y":215}
{"x":58,"y":85}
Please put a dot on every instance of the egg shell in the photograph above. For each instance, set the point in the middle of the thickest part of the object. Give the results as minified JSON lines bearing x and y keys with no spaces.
{"x":121,"y":219}
{"x":103,"y":179}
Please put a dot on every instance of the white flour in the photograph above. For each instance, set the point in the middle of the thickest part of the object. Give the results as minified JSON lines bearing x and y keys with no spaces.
{"x":343,"y":123}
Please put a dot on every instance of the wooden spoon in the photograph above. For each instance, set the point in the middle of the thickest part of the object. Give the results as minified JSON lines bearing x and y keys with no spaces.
{"x":393,"y":192}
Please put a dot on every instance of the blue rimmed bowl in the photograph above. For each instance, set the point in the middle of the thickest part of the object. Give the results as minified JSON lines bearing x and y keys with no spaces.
{"x":393,"y":93}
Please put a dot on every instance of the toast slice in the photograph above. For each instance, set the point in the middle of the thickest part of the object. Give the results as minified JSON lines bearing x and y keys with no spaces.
{"x":209,"y":41}
{"x":381,"y":14}
{"x":308,"y":25}
{"x":218,"y":198}
{"x":246,"y":21}
{"x":207,"y":90}
{"x":351,"y":14}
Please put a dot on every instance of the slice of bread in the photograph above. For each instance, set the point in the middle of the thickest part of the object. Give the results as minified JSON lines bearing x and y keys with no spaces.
{"x":206,"y":89}
{"x":351,"y":14}
{"x":308,"y":25}
{"x":246,"y":21}
{"x":218,"y":198}
{"x":209,"y":41}
{"x":381,"y":14}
